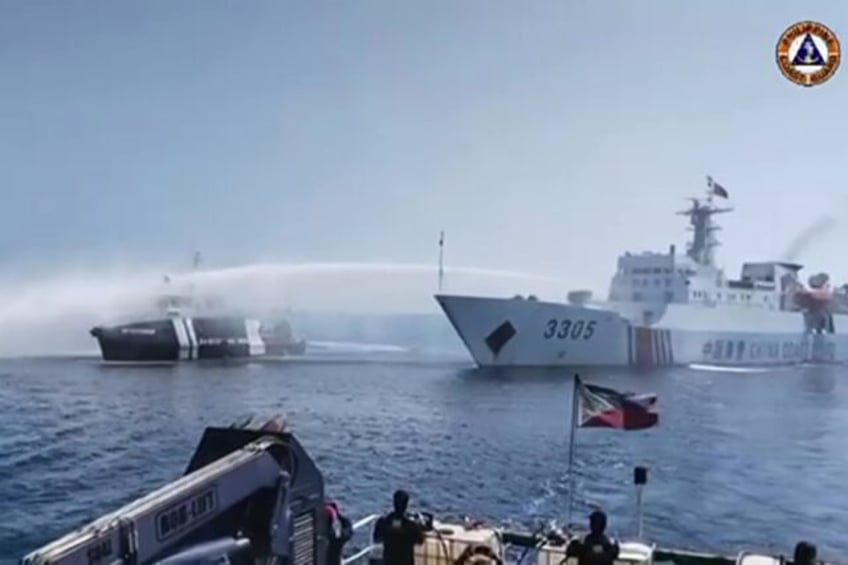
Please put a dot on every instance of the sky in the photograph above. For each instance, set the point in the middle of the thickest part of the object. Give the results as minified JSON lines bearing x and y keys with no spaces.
{"x":543,"y":137}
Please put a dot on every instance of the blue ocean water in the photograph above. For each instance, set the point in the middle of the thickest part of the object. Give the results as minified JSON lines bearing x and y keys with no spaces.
{"x":740,"y":460}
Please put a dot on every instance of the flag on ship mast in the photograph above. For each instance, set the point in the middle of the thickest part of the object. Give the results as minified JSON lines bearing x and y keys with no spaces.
{"x":595,"y":406}
{"x":601,"y":407}
{"x":716,"y":188}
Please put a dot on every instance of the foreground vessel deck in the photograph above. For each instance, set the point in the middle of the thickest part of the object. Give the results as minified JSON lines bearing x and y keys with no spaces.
{"x":256,"y":496}
{"x":522,"y":547}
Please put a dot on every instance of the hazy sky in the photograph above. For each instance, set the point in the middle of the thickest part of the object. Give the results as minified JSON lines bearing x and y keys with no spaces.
{"x":542,"y":136}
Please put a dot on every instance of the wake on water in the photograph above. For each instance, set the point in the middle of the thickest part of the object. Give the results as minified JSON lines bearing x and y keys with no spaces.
{"x":729,"y":369}
{"x":52,"y":315}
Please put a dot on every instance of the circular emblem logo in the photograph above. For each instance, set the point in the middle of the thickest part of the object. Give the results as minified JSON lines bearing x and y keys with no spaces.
{"x":808,"y":53}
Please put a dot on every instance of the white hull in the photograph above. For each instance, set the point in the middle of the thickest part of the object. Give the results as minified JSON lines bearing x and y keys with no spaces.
{"x":518,"y":332}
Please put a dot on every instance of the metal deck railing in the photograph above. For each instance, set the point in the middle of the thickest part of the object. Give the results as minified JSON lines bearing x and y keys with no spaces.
{"x":365,"y":552}
{"x":518,"y":548}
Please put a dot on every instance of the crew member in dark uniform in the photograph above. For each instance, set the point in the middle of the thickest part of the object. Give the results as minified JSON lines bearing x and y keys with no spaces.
{"x":398,"y":534}
{"x":339,"y":532}
{"x":805,"y":554}
{"x":596,"y":548}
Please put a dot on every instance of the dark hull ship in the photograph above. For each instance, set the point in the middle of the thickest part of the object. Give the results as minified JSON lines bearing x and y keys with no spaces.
{"x":192,"y":326}
{"x":185,"y":338}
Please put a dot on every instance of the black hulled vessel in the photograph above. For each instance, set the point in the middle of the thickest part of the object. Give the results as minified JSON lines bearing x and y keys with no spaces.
{"x":183,"y":338}
{"x":178,"y":336}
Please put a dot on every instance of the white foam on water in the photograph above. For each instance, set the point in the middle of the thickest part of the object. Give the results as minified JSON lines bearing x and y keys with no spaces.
{"x":353,"y":347}
{"x":728,"y":369}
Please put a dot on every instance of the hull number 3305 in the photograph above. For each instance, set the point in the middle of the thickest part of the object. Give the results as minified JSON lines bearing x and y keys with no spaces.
{"x":569,"y":329}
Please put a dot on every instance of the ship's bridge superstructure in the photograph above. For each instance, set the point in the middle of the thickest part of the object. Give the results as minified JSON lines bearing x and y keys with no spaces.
{"x":677,"y":278}
{"x":665,"y":278}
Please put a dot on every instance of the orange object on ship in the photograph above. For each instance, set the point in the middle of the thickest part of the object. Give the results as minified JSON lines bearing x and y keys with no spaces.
{"x":814,"y":298}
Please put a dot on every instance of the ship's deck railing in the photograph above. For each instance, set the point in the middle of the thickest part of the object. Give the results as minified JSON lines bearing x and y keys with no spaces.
{"x":681,"y":557}
{"x":364,"y":553}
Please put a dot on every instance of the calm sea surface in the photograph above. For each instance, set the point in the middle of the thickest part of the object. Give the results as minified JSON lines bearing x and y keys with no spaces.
{"x":740,"y":460}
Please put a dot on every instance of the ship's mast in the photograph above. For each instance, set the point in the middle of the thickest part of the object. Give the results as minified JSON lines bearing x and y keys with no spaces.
{"x":441,"y":258}
{"x":700,"y":249}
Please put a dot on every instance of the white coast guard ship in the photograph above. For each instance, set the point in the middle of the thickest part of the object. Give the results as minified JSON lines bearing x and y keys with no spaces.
{"x":666,"y":309}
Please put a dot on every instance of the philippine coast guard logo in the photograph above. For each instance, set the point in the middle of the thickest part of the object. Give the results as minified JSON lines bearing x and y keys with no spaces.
{"x":808,"y":53}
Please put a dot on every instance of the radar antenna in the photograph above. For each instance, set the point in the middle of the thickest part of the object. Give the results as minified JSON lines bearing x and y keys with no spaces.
{"x":700,"y":248}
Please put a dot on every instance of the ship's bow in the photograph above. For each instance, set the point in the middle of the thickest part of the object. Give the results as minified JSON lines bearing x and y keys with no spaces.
{"x":527,"y":332}
{"x":104,"y":340}
{"x":136,"y":343}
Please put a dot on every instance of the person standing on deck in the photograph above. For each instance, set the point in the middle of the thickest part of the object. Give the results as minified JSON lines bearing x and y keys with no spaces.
{"x":805,"y":554}
{"x":398,"y":534}
{"x":596,"y":548}
{"x":339,"y":532}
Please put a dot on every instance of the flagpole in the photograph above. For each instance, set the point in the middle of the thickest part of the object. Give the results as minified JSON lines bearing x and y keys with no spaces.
{"x":441,"y":258}
{"x":574,"y":410}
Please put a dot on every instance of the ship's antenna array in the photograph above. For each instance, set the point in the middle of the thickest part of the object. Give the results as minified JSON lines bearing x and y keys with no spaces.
{"x":700,"y":249}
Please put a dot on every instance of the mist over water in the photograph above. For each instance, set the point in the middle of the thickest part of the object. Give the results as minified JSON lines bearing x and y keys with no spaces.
{"x":52,"y":315}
